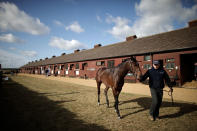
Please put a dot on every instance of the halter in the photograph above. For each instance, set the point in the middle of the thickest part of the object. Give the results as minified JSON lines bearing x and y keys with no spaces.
{"x":132,"y":69}
{"x":130,"y":64}
{"x":135,"y":75}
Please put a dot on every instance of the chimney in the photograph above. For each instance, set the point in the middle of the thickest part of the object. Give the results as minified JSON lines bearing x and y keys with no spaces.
{"x":75,"y":51}
{"x":63,"y":54}
{"x":97,"y":45}
{"x":46,"y":58}
{"x":192,"y":23}
{"x":131,"y":38}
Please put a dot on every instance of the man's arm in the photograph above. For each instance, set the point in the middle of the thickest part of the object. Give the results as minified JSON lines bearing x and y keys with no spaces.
{"x":145,"y":76}
{"x":167,"y":80}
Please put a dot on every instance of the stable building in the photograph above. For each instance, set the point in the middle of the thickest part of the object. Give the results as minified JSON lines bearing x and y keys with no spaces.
{"x":176,"y":50}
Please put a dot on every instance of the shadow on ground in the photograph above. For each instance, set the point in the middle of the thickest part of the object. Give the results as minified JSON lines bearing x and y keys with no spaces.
{"x":145,"y":102}
{"x":26,"y":110}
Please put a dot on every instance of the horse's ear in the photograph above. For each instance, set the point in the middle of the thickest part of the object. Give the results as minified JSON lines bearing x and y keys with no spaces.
{"x":133,"y":58}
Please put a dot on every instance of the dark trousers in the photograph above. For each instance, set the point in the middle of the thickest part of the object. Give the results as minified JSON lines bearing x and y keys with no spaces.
{"x":157,"y":96}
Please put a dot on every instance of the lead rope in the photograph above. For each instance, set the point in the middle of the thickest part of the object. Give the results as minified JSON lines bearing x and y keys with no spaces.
{"x":171,"y":95}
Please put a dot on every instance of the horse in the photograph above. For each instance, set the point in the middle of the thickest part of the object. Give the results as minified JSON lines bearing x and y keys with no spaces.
{"x":114,"y":78}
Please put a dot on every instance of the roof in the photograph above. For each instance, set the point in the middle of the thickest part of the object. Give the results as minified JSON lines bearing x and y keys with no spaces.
{"x":182,"y":39}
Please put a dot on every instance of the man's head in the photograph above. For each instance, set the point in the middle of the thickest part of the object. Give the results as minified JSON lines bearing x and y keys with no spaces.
{"x":156,"y":64}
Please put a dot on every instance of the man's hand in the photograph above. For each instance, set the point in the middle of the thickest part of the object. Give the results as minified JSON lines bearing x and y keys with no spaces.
{"x":171,"y":90}
{"x":140,"y":79}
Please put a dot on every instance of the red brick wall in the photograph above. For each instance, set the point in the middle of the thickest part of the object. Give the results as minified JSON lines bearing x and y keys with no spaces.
{"x":91,"y":68}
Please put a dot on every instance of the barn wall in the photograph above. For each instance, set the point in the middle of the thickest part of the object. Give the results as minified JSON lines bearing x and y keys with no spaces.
{"x":89,"y":71}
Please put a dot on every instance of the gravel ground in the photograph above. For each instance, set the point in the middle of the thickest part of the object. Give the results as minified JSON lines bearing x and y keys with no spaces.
{"x":40,"y":103}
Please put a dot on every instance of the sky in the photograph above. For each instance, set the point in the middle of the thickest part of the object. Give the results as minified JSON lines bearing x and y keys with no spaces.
{"x":35,"y":29}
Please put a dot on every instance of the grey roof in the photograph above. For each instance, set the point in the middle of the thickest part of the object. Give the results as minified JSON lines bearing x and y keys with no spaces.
{"x":182,"y":39}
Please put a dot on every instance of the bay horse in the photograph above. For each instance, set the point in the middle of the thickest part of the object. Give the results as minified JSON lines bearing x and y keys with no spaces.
{"x":114,"y":78}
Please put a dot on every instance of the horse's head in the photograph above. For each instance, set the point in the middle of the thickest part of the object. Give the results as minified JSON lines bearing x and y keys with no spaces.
{"x":135,"y":68}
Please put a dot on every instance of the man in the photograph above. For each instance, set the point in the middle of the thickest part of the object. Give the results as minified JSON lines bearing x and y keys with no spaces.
{"x":156,"y":75}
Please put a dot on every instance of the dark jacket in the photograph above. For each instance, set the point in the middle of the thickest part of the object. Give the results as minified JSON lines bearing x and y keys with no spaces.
{"x":156,"y":78}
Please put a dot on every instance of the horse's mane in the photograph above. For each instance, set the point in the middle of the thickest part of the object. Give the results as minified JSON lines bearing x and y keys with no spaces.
{"x":126,"y":60}
{"x":121,"y":63}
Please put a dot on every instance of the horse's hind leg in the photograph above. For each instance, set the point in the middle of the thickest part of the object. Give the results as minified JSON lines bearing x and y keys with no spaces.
{"x":106,"y":96}
{"x":98,"y":89}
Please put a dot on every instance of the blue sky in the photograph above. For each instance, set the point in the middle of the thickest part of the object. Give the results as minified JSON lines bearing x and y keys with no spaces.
{"x":35,"y":29}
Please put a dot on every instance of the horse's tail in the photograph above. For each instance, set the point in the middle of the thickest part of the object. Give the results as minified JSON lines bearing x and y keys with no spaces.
{"x":98,"y":80}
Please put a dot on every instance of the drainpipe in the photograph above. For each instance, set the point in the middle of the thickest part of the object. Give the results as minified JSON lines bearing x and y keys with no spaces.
{"x":151,"y":58}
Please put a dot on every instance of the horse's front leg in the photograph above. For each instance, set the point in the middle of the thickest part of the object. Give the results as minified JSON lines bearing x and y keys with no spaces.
{"x":116,"y":95}
{"x":116,"y":106}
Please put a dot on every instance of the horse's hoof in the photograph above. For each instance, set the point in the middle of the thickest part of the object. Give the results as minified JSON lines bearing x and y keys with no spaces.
{"x":119,"y":117}
{"x":98,"y":104}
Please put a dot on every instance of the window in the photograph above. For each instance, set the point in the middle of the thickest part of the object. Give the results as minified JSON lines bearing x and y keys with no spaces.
{"x":62,"y":67}
{"x":129,"y":74}
{"x":123,"y":60}
{"x":100,"y":63}
{"x":170,"y":60}
{"x":71,"y":66}
{"x":77,"y":66}
{"x":58,"y":67}
{"x":147,"y":66}
{"x":110,"y":63}
{"x":84,"y":65}
{"x":170,"y":65}
{"x":147,"y":58}
{"x":55,"y":67}
{"x":66,"y":66}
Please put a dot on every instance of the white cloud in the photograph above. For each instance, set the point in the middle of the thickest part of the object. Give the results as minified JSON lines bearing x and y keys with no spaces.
{"x":29,"y":53}
{"x":156,"y":16}
{"x":65,"y":44}
{"x":58,"y":23}
{"x":9,"y":38}
{"x":75,"y":27}
{"x":10,"y":60}
{"x":13,"y":19}
{"x":121,"y":29}
{"x":12,"y":48}
{"x":99,"y":18}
